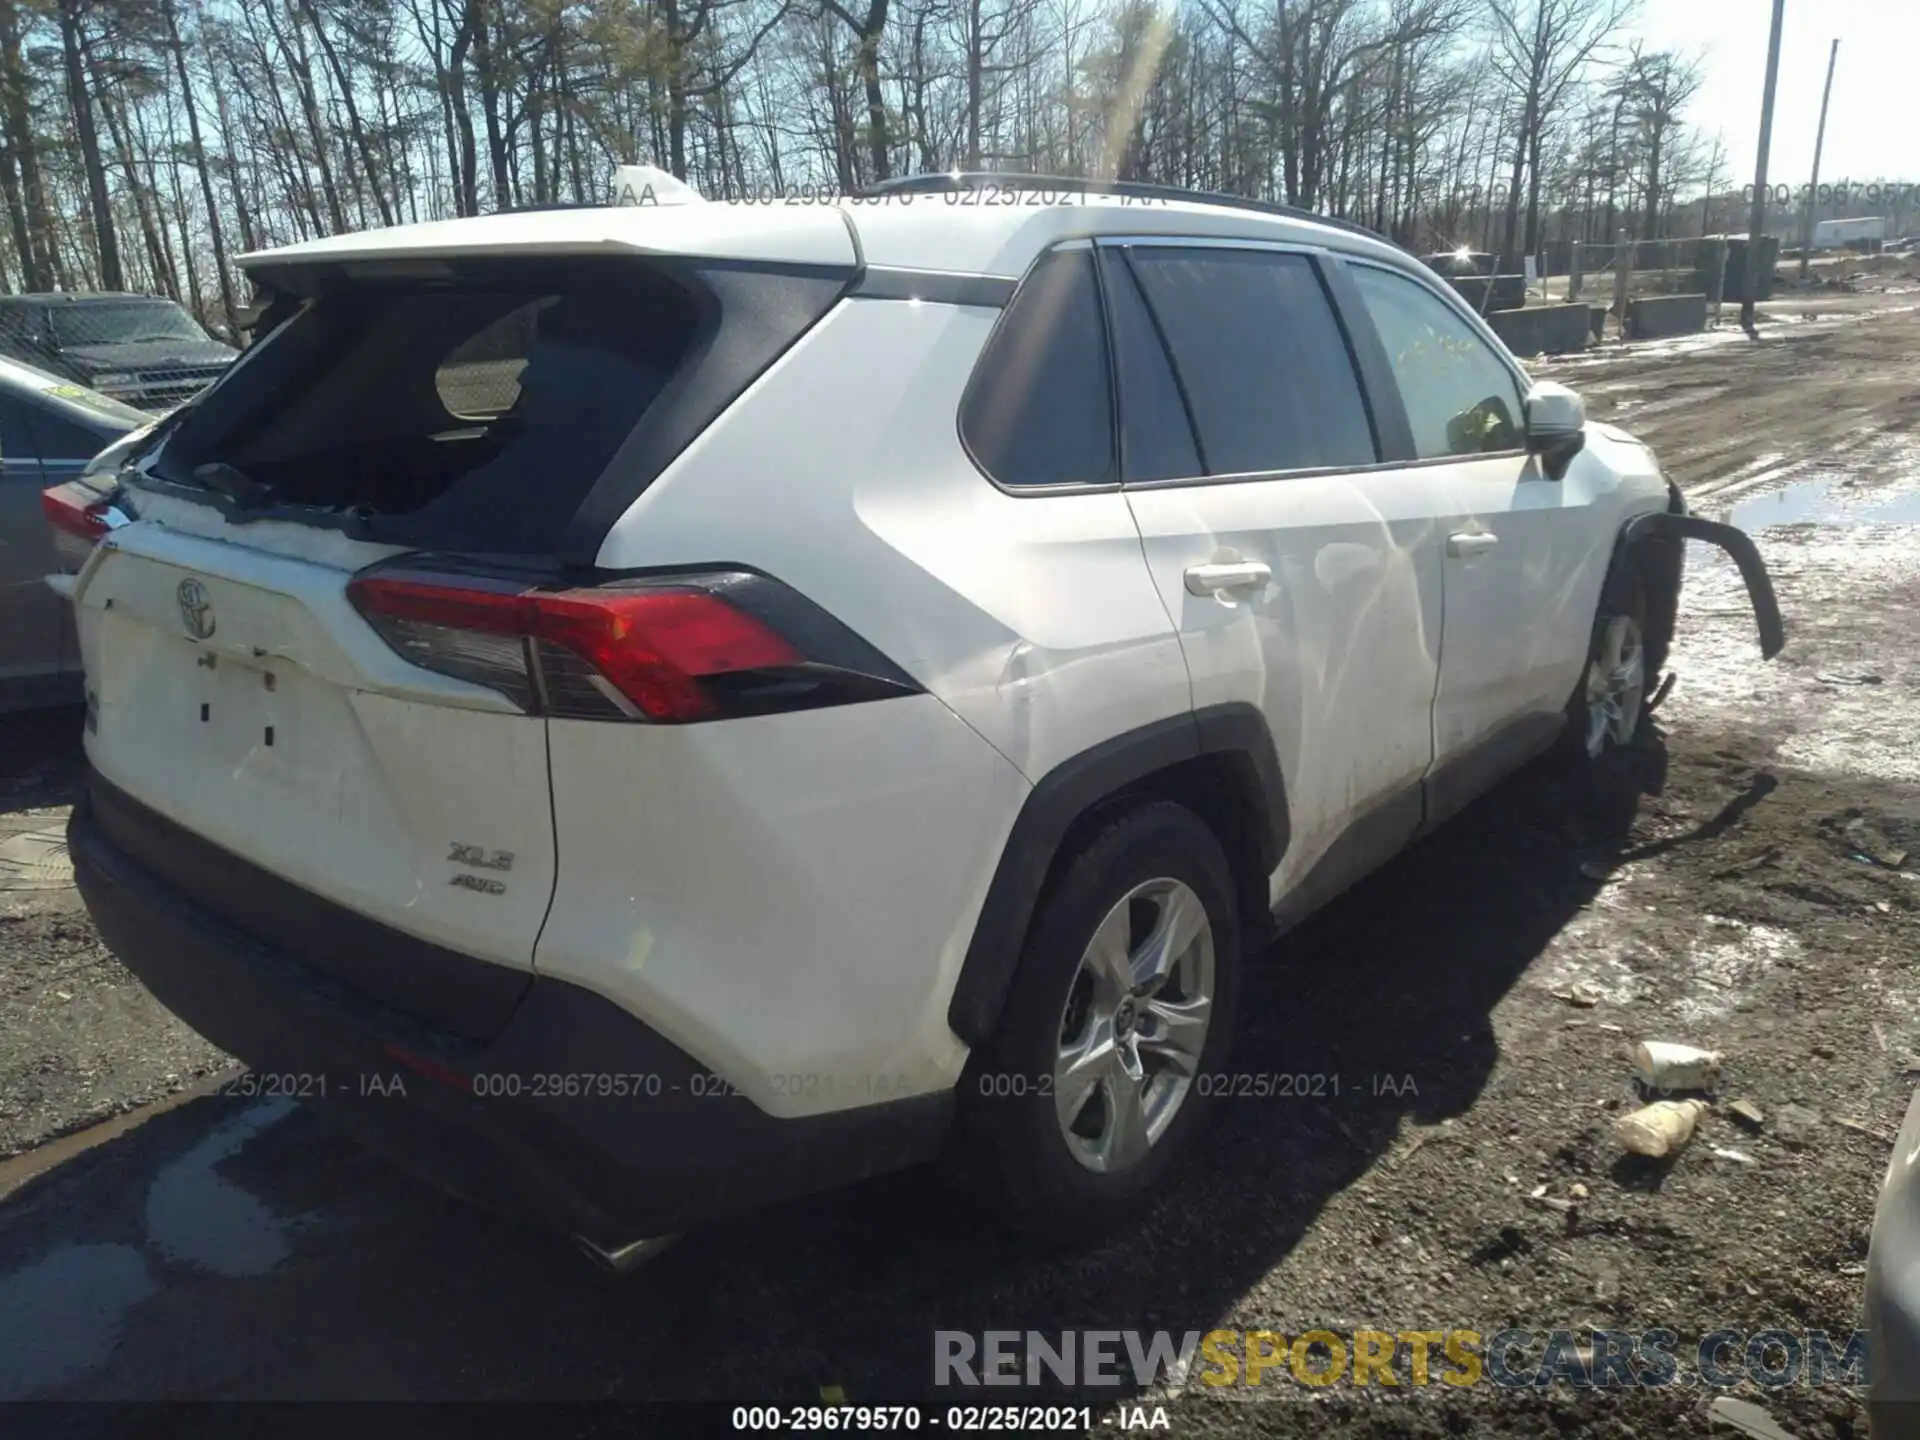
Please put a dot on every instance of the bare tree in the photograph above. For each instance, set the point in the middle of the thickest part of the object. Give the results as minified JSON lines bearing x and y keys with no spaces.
{"x":1543,"y":47}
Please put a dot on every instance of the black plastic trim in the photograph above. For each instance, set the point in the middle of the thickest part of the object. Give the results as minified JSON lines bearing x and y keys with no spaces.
{"x":936,"y":287}
{"x":1738,"y":545}
{"x":758,"y":313}
{"x":1386,"y":407}
{"x":672,"y":1147}
{"x":945,"y":182}
{"x":1368,"y":843}
{"x":1072,"y":789}
{"x":1115,"y":267}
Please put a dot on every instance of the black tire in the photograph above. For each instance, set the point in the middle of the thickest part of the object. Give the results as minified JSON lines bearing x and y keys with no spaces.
{"x":1010,"y":1146}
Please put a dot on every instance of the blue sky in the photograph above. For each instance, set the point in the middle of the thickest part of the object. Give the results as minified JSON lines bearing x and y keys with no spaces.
{"x":1873,"y":126}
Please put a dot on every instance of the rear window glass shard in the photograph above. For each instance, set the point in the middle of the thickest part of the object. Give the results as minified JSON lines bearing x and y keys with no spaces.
{"x":478,"y":408}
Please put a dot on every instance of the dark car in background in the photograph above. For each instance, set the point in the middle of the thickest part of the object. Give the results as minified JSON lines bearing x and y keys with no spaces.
{"x":143,"y":350}
{"x":50,"y":430}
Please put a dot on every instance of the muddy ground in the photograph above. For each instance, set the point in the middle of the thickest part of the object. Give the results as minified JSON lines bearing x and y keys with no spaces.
{"x":1762,"y":898}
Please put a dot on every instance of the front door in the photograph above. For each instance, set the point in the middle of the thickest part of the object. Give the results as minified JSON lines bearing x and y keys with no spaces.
{"x":1520,"y":570}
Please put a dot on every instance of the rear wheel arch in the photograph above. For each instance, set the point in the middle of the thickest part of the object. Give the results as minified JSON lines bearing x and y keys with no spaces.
{"x":1219,"y":762}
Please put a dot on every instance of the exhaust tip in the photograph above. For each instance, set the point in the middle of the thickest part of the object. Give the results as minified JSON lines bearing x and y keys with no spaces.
{"x":624,"y":1259}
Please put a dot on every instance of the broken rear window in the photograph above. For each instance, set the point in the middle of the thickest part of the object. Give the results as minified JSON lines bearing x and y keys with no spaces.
{"x":476,"y":409}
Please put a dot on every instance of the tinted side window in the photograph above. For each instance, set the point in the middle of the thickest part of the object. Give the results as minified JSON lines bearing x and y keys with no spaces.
{"x":20,"y":334}
{"x":1461,"y":398}
{"x":1039,"y":409}
{"x":59,"y":437}
{"x":1261,"y":358}
{"x":16,"y":435}
{"x":1156,"y":435}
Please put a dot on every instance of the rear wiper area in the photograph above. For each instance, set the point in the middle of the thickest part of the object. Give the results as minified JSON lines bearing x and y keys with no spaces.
{"x":234,"y":483}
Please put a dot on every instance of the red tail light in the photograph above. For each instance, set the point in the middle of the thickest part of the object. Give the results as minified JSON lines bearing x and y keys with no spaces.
{"x":65,"y":513}
{"x":688,"y":648}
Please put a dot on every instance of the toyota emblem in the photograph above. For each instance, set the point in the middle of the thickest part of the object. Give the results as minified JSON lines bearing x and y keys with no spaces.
{"x":196,"y":610}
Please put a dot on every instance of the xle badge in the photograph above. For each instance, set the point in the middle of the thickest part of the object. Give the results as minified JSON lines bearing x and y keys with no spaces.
{"x":480,"y":858}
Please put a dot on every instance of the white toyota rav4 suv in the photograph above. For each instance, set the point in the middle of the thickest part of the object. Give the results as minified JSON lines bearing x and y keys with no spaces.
{"x":718,"y":700}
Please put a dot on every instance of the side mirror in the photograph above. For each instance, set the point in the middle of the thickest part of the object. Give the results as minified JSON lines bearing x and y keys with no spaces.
{"x":1556,"y":426}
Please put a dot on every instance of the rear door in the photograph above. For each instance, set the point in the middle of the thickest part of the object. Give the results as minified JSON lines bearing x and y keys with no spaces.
{"x":235,"y":690}
{"x":1302,"y":576}
{"x":379,"y":738}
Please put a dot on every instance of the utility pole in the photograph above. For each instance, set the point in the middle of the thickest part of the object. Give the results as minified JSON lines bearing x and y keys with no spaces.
{"x":1819,"y":143}
{"x":1759,"y":219}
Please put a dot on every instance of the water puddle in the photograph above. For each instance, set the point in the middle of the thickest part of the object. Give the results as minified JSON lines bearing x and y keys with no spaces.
{"x":1824,"y":500}
{"x":195,"y":1216}
{"x":61,"y":1316}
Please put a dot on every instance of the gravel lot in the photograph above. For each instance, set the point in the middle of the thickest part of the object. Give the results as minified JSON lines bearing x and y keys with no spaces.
{"x":1763,"y":899}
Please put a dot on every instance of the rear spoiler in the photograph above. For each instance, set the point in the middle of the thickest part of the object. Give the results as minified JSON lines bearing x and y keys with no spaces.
{"x":1738,"y":544}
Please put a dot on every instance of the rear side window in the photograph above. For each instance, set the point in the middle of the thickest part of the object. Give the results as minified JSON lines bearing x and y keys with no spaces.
{"x":1260,"y":357}
{"x":1460,"y":398}
{"x":1039,"y":409}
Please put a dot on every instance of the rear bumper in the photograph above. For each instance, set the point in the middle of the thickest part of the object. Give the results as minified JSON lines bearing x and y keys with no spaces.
{"x":574,"y":1115}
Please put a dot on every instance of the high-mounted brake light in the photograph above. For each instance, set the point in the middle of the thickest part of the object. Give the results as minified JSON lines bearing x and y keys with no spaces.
{"x":65,"y":513}
{"x":697,"y":647}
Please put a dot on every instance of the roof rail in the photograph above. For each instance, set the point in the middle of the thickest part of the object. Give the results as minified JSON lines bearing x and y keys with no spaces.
{"x":537,"y":207}
{"x":938,"y":182}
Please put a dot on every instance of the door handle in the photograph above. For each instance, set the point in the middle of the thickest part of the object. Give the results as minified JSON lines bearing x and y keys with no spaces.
{"x":1469,"y":543}
{"x":1237,"y":575}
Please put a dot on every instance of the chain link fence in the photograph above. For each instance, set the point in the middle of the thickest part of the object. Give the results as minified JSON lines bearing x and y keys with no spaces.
{"x":144,"y":351}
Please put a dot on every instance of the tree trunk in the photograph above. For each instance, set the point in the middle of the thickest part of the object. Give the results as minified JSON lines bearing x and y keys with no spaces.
{"x":80,"y":102}
{"x":17,"y":220}
{"x":489,"y":79}
{"x":879,"y":142}
{"x":361,"y":139}
{"x":200,"y":161}
{"x":466,"y":161}
{"x":163,"y":276}
{"x":38,"y":255}
{"x":302,"y":67}
{"x":976,"y":67}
